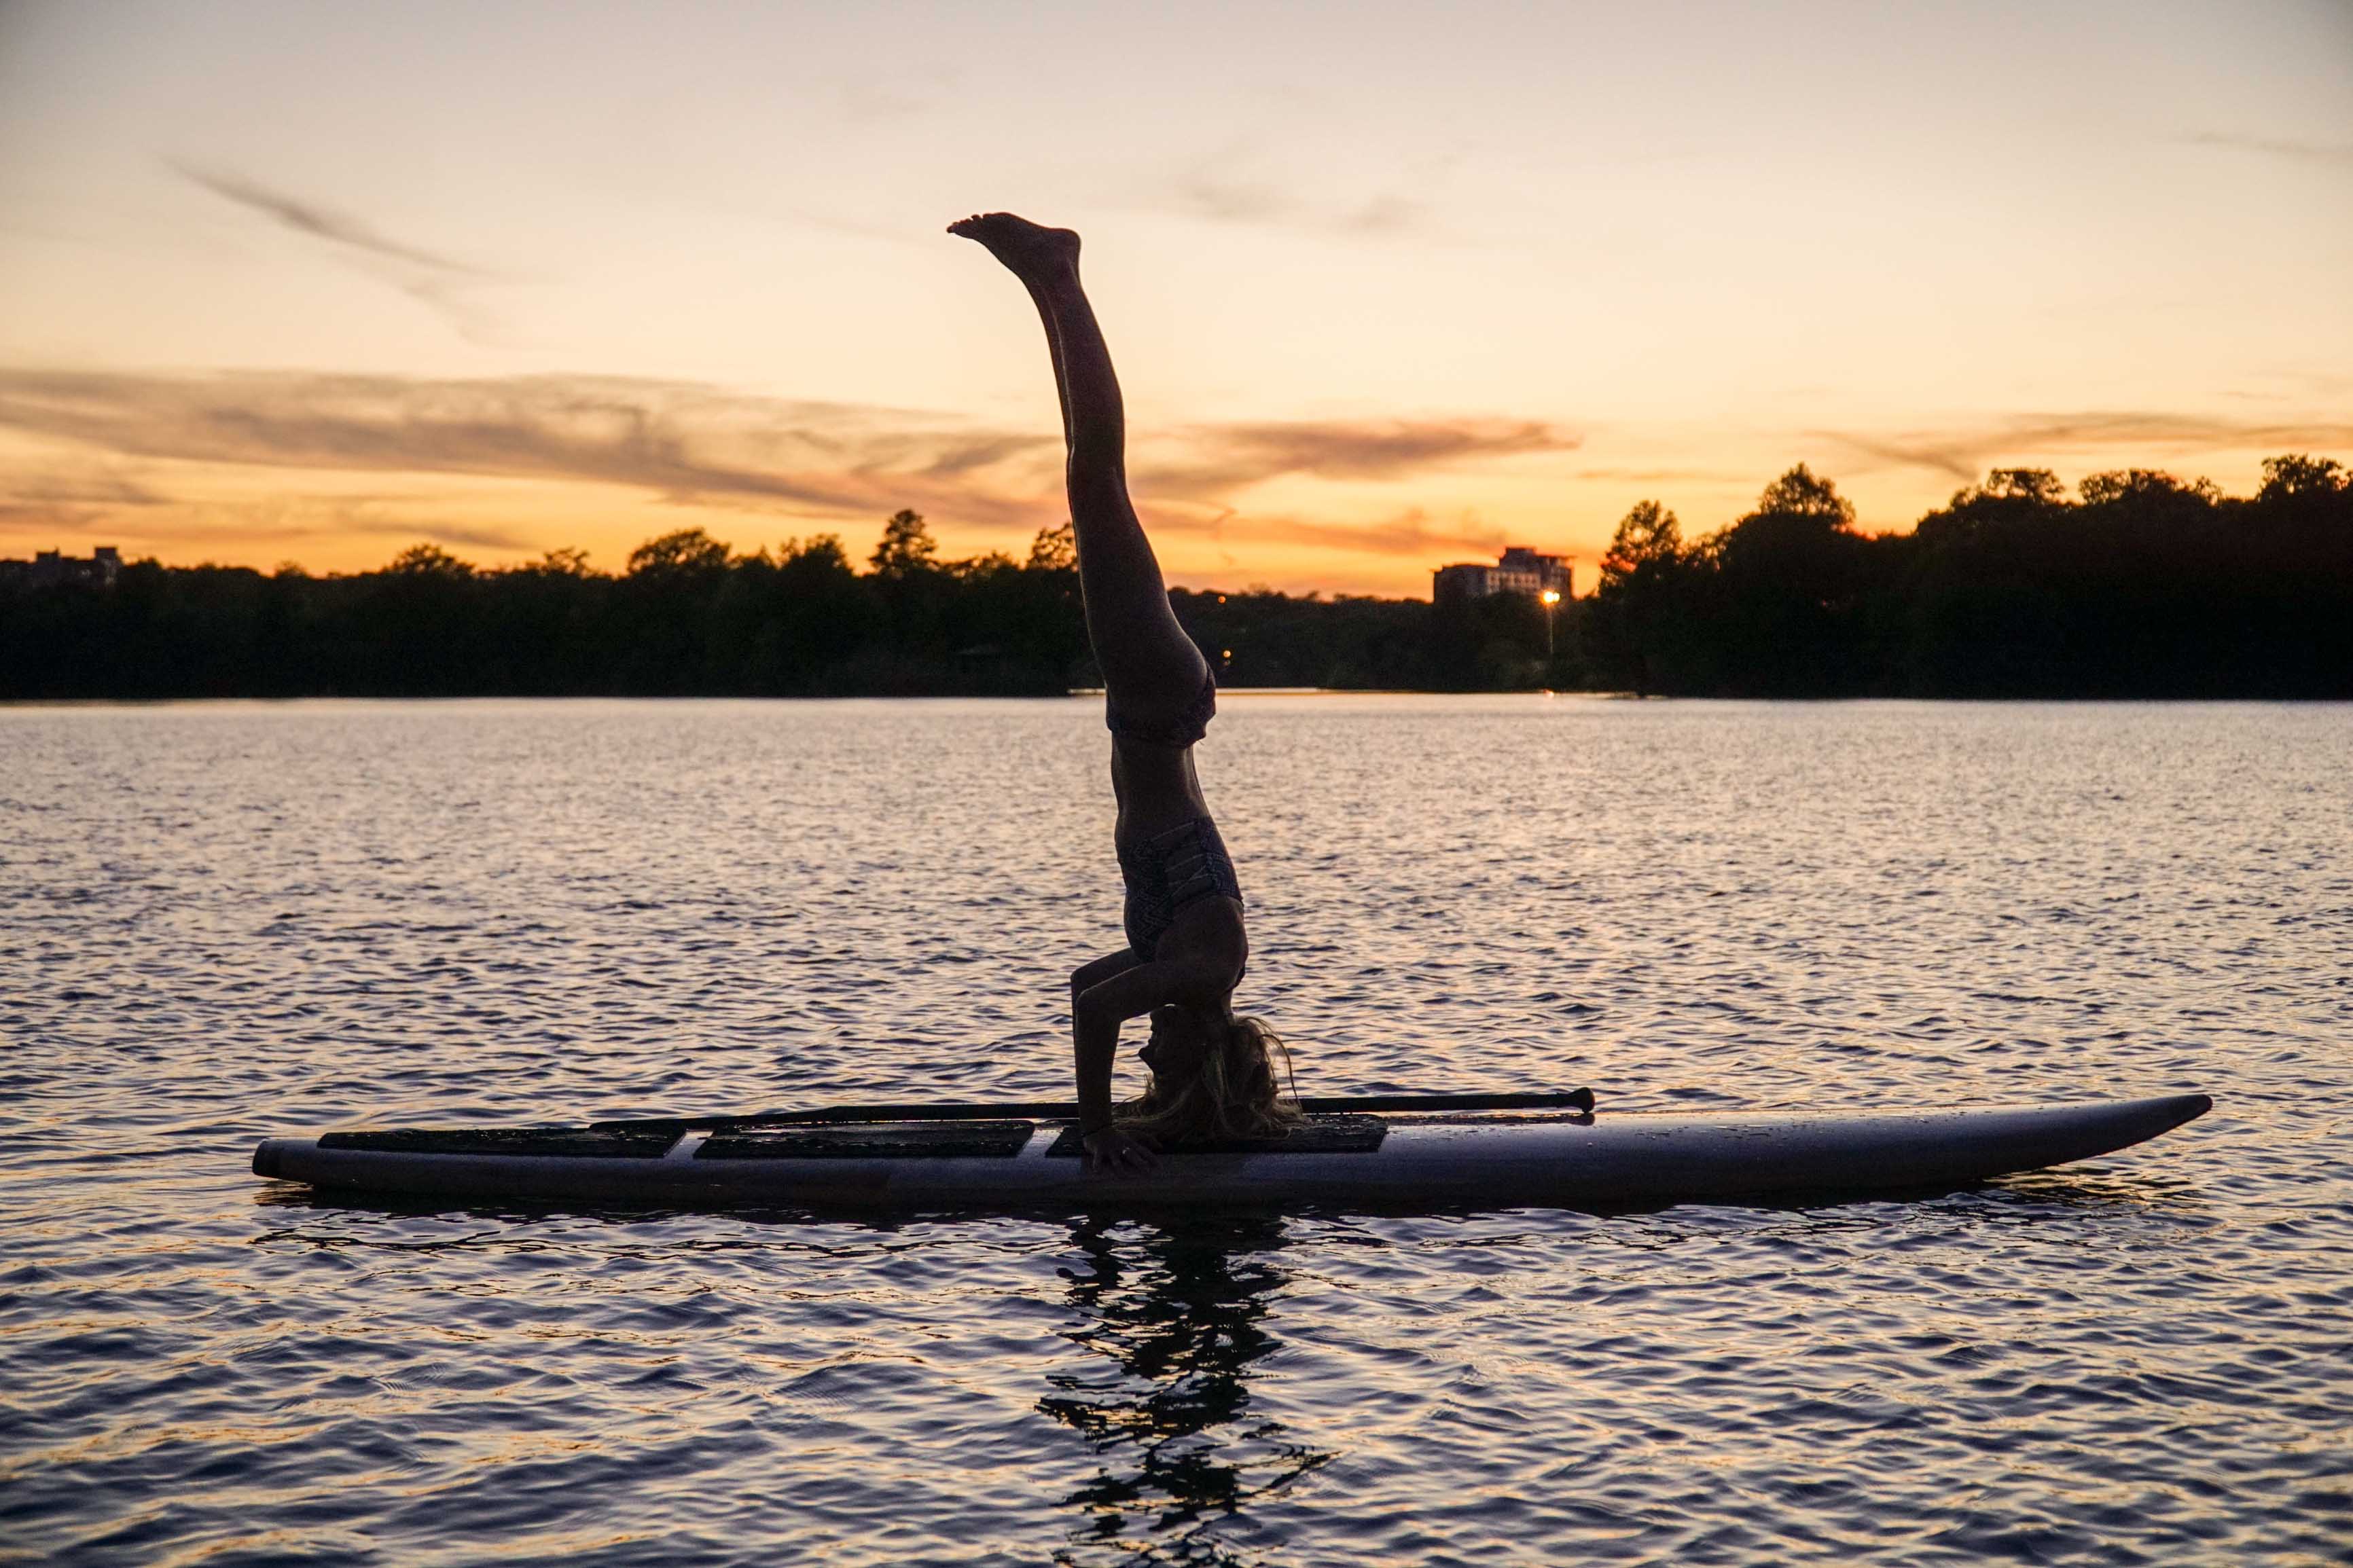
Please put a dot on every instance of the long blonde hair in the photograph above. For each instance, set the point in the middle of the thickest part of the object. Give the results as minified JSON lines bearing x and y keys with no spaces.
{"x":1235,"y":1094}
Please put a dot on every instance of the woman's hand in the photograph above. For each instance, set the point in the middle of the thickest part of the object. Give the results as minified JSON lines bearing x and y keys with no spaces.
{"x":1111,"y":1153}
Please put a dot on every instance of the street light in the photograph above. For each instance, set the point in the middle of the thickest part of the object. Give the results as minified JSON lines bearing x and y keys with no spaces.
{"x":1550,"y":597}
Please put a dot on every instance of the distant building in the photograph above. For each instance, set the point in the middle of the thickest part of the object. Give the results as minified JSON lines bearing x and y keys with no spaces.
{"x":51,"y":567}
{"x":1518,"y":571}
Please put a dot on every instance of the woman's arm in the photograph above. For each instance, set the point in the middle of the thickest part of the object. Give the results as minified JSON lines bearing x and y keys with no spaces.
{"x":1096,"y":1014}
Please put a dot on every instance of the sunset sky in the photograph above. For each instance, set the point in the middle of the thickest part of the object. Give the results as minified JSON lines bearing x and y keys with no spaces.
{"x":1388,"y":285}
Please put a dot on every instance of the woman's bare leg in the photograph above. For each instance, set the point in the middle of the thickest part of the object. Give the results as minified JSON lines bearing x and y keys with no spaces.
{"x":1151,"y":669}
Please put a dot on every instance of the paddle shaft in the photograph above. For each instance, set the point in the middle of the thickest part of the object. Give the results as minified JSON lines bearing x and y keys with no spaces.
{"x":1068,"y":1109}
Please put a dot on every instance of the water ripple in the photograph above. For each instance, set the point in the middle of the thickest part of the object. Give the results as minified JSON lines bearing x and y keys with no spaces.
{"x":234,"y":920}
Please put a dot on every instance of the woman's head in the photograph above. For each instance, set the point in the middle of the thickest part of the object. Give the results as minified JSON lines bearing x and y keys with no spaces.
{"x":1213,"y":1076}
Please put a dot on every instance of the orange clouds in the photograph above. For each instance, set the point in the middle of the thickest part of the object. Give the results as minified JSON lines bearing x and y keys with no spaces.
{"x":1967,"y":453}
{"x":680,"y":443}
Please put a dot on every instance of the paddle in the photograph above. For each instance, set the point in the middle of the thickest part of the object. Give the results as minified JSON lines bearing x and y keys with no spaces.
{"x":1068,"y":1110}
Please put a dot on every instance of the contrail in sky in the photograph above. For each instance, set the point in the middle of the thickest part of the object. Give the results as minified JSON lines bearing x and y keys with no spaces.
{"x":424,"y":275}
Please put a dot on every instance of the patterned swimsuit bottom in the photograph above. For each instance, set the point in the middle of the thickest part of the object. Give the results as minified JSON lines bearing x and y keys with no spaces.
{"x":1168,"y":871}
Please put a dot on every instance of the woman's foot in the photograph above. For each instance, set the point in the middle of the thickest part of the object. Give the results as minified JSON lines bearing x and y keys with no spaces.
{"x":1030,"y":252}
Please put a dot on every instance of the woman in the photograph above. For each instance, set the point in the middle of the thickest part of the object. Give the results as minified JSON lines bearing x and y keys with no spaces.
{"x":1212,"y":1073}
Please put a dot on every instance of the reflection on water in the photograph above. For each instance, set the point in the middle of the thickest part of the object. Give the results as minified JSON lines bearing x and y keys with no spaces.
{"x":222,"y":922}
{"x":1172,"y":1314}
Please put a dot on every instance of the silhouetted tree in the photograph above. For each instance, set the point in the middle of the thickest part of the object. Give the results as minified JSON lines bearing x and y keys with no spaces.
{"x":421,"y":633}
{"x":1789,"y":614}
{"x":1984,"y":613}
{"x":1055,"y":549}
{"x":1637,"y":629}
{"x":2295,"y":477}
{"x":665,"y":613}
{"x":429,"y":561}
{"x":2146,"y":488}
{"x":905,"y":546}
{"x":915,"y":589}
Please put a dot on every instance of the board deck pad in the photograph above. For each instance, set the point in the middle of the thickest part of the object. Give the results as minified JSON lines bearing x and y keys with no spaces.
{"x":873,"y":1141}
{"x":1314,"y":1134}
{"x":566,"y":1142}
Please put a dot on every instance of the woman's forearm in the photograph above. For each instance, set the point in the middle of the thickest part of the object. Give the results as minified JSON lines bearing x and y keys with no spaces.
{"x":1095,"y":1044}
{"x":1096,"y":1014}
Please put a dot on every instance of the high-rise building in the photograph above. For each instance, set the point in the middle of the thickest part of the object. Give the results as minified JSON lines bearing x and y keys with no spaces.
{"x":49,"y":567}
{"x":1518,"y":571}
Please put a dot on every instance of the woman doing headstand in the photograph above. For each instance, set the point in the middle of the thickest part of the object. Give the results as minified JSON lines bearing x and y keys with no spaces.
{"x":1212,"y":1073}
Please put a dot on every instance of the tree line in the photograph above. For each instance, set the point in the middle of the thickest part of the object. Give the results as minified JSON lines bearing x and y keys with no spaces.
{"x":2139,"y":584}
{"x":688,"y":617}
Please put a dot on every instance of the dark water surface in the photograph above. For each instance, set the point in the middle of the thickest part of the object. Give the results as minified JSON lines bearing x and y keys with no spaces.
{"x":223,"y":921}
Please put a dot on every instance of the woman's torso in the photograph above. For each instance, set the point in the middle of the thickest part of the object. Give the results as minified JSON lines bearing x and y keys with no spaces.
{"x":1159,"y":796}
{"x":1155,"y":787}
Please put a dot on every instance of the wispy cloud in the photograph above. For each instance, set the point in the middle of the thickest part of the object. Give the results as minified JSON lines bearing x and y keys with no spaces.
{"x":294,"y":517}
{"x":85,"y":487}
{"x":31,"y":517}
{"x":1217,"y":459}
{"x":1382,"y":215}
{"x":681,"y":440}
{"x":1967,"y":453}
{"x":437,"y":281}
{"x":1658,"y":475}
{"x":1962,"y":459}
{"x":689,"y":443}
{"x":1409,"y":533}
{"x":2325,"y":154}
{"x":1226,"y":200}
{"x":242,"y":529}
{"x":1224,"y":189}
{"x":306,"y":217}
{"x":53,"y":499}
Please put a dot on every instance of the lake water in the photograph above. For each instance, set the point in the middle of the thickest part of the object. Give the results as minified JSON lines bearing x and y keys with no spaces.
{"x":225,"y":922}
